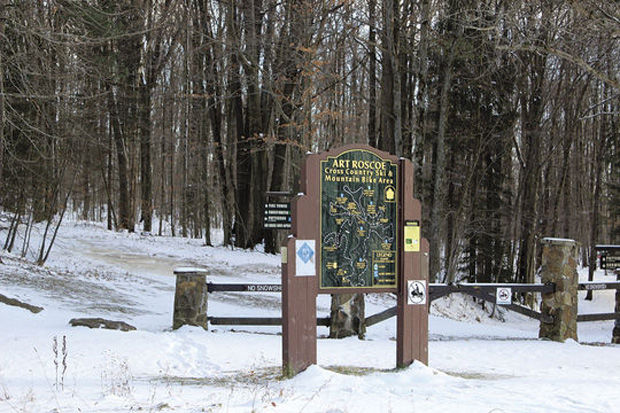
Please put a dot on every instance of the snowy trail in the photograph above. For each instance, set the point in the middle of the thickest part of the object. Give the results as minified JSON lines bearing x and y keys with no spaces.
{"x":144,"y":266}
{"x":161,"y":266}
{"x":133,"y":262}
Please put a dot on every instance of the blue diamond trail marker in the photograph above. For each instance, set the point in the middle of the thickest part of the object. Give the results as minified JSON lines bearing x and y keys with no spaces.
{"x":305,"y":253}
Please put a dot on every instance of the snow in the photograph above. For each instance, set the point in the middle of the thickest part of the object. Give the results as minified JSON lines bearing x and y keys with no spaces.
{"x":192,"y":270}
{"x":551,"y":239}
{"x":476,"y":363}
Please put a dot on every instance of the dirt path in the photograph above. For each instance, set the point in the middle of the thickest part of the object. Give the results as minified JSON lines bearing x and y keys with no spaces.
{"x":143,"y":264}
{"x":135,"y":263}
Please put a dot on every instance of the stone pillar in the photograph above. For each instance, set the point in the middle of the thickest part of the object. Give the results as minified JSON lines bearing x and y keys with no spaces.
{"x":559,"y":266}
{"x":615,"y":336}
{"x":190,"y":298}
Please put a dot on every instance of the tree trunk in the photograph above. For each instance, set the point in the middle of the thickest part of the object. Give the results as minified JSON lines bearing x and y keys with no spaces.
{"x":388,"y":76}
{"x":255,"y":128}
{"x":2,"y":114}
{"x":394,"y":46}
{"x":372,"y":76}
{"x":121,"y":161}
{"x":599,"y":150}
{"x":439,"y":166}
{"x":419,"y":128}
{"x":532,"y":111}
{"x":347,"y":316}
{"x":146,"y":186}
{"x":286,"y":72}
{"x":86,"y":196}
{"x":171,"y":154}
{"x":184,"y":130}
{"x":162,"y":166}
{"x":215,"y":117}
{"x":112,"y":223}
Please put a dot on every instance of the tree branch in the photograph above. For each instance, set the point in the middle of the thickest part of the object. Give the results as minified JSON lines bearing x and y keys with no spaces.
{"x":576,"y":60}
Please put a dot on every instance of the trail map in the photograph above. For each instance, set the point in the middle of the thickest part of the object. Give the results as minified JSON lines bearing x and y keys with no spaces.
{"x":358,"y":221}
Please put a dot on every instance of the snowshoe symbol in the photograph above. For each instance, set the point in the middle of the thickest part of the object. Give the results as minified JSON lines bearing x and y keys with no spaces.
{"x":416,"y":292}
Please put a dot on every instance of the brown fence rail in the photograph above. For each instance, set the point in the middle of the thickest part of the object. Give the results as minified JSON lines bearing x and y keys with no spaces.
{"x":440,"y":290}
{"x":598,"y":317}
{"x":250,"y":321}
{"x":486,"y":292}
{"x":596,"y":286}
{"x":258,"y":321}
{"x":253,"y":288}
{"x":482,"y":291}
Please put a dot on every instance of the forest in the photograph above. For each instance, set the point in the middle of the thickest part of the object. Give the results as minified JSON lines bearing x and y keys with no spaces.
{"x":176,"y":117}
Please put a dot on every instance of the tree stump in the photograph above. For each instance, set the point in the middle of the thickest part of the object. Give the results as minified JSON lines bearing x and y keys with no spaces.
{"x":347,"y":316}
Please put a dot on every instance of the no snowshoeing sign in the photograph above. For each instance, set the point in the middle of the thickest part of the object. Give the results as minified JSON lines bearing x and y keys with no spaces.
{"x":416,"y":292}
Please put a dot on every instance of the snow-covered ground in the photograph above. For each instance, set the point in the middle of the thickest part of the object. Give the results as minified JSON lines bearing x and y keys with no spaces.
{"x":476,"y":363}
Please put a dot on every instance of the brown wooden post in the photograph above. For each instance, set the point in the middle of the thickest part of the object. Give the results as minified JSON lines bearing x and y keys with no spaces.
{"x":615,"y":336}
{"x":299,"y":292}
{"x":412,"y":319}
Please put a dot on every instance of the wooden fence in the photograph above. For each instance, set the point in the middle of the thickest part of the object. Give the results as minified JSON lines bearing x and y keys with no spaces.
{"x":482,"y":291}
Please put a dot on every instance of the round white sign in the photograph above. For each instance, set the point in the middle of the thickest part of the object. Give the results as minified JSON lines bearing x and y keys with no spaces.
{"x":416,"y":292}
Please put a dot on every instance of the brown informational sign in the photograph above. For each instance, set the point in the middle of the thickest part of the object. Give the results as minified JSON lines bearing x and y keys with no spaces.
{"x":359,"y":221}
{"x":355,"y":227}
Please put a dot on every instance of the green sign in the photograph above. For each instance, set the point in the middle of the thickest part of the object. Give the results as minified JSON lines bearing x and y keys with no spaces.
{"x":359,"y":214}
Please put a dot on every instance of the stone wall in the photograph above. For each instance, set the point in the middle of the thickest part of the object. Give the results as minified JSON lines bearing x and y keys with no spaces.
{"x":559,"y":266}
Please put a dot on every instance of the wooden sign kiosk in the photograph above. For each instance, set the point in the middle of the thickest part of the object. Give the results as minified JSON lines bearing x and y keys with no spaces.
{"x":355,"y":229}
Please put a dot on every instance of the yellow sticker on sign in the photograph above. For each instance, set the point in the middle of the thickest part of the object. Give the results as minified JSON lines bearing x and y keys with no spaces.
{"x":412,"y":237}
